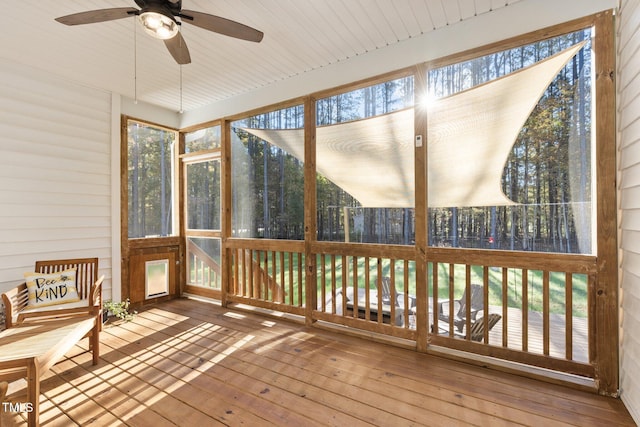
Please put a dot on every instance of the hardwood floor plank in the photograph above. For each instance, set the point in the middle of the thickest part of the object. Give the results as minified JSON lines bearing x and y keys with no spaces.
{"x":185,"y":357}
{"x":256,"y":381}
{"x":190,"y":363}
{"x":521,"y":395}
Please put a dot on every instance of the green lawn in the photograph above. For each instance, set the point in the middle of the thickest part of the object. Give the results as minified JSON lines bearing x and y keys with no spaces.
{"x":557,"y":287}
{"x":514,"y":281}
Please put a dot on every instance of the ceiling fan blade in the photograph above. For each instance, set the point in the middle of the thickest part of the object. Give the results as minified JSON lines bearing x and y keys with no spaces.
{"x":178,"y":49}
{"x":94,"y":16}
{"x":221,"y":25}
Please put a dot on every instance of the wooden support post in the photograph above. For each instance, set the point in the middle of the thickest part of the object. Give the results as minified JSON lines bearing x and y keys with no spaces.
{"x":179,"y":220}
{"x":226,"y":257}
{"x":310,"y":207}
{"x":421,"y":214}
{"x":606,"y":292}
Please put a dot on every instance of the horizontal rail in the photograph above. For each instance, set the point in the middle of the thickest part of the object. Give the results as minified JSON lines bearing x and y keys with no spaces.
{"x":265,"y":244}
{"x":359,"y":249}
{"x":530,"y":260}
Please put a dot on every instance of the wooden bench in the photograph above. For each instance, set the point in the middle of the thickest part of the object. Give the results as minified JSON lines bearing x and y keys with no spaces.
{"x":89,"y":290}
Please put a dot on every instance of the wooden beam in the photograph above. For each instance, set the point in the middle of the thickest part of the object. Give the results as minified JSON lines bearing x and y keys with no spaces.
{"x":225,"y":207}
{"x":179,"y":208}
{"x":421,"y":211}
{"x":606,"y":292}
{"x":124,"y":209}
{"x":310,"y":207}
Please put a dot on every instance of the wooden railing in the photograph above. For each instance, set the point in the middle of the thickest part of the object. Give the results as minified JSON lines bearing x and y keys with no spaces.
{"x":268,"y":274}
{"x":350,"y":283}
{"x":542,"y":304}
{"x":203,"y":270}
{"x":544,"y":301}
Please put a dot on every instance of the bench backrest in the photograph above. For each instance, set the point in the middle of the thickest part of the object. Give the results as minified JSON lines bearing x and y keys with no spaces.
{"x":86,"y":273}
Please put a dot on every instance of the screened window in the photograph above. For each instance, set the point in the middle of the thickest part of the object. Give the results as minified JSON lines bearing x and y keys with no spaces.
{"x":267,"y":154}
{"x":203,"y":194}
{"x":202,"y":207}
{"x":203,"y":139}
{"x":365,"y":162}
{"x":151,"y":160}
{"x":513,"y":130}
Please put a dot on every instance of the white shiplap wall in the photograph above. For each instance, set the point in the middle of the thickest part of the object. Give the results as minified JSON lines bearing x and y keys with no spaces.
{"x":55,"y":172}
{"x":628,"y":40}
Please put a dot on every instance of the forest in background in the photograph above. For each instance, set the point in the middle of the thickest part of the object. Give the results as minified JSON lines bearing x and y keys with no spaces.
{"x":151,"y":154}
{"x":548,"y":174}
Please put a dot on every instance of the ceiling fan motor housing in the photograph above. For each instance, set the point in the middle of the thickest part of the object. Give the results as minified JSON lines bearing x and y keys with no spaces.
{"x":158,"y":21}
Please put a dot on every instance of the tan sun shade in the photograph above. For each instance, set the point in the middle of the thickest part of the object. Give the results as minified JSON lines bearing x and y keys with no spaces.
{"x":470,"y":136}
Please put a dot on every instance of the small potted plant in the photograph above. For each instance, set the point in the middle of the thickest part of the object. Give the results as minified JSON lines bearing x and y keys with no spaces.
{"x":117,"y":309}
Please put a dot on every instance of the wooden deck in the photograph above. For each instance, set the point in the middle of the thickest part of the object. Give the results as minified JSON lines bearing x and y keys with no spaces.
{"x":535,"y":331}
{"x":191,"y":363}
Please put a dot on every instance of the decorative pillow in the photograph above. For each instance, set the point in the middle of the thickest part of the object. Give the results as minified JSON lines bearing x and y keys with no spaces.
{"x":51,"y":289}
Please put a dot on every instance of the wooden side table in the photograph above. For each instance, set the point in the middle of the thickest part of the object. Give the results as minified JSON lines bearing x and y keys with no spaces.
{"x":29,"y":350}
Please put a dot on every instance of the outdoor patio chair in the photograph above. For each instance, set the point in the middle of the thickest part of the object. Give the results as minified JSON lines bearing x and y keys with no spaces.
{"x":477,"y":328}
{"x":457,"y":313}
{"x":385,"y":288}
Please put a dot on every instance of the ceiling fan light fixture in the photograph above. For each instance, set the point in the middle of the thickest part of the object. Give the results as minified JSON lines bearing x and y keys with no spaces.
{"x":162,"y":19}
{"x":158,"y":25}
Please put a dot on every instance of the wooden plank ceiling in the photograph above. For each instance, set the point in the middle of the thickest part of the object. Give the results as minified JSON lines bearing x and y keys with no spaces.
{"x":300,"y":36}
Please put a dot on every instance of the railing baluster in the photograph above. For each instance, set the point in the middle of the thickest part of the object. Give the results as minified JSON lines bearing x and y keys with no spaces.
{"x":379,"y":302}
{"x":253,"y":272}
{"x":328,"y":276}
{"x":467,"y":303}
{"x":244,"y":272}
{"x":291,"y":291}
{"x":545,"y":313}
{"x":485,"y":301}
{"x":451,"y":295}
{"x":405,"y":287}
{"x":345,"y":282}
{"x":355,"y":286}
{"x":436,"y":306}
{"x":525,"y":310}
{"x":505,"y":307}
{"x":300,"y":282}
{"x":264,"y":277}
{"x":323,"y":281}
{"x":367,"y":296}
{"x":568,"y":311}
{"x":279,"y":276}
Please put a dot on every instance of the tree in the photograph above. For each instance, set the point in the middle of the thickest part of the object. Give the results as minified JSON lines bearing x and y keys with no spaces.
{"x":150,"y":160}
{"x":548,"y":172}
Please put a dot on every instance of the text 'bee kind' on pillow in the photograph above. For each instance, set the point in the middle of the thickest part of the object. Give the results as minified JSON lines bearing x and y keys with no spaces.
{"x":51,"y":289}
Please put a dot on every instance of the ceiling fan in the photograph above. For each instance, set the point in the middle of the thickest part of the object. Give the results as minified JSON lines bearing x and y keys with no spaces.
{"x":161,"y":18}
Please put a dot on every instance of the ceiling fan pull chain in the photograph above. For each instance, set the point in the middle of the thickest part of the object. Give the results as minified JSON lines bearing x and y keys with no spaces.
{"x":135,"y":64}
{"x":181,"y":110}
